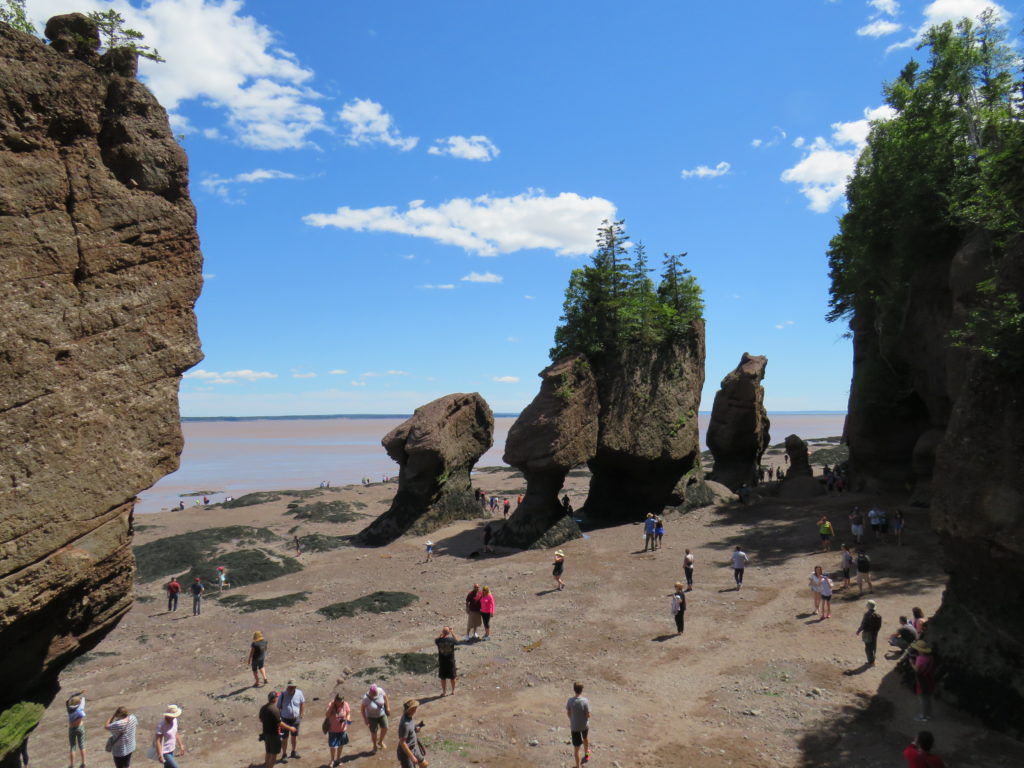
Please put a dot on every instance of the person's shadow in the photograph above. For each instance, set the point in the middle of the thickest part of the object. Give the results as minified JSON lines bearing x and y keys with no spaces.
{"x":730,"y":589}
{"x":662,"y":638}
{"x":356,"y":755}
{"x":858,"y":670}
{"x":805,"y":615}
{"x":232,"y":693}
{"x":547,"y":591}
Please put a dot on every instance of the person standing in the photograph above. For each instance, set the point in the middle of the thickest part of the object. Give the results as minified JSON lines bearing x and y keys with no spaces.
{"x":847,"y":558}
{"x":650,"y":526}
{"x":659,"y":532}
{"x":875,"y":519}
{"x":506,"y":505}
{"x":430,"y":550}
{"x":122,"y":726}
{"x":167,"y":741}
{"x":558,"y":568}
{"x":173,"y":588}
{"x":197,"y":589}
{"x":337,"y":717}
{"x":898,"y":521}
{"x":270,"y":721}
{"x":863,"y":571}
{"x":924,"y":678}
{"x":918,"y":753}
{"x":486,"y":609}
{"x":473,"y":617}
{"x":375,"y":708}
{"x":578,"y":710}
{"x":814,"y":582}
{"x":410,"y":751}
{"x":445,"y":643}
{"x":826,"y":532}
{"x":292,"y":703}
{"x":739,"y":564}
{"x":870,"y":625}
{"x":222,"y":578}
{"x":257,"y":659}
{"x":825,"y":590}
{"x":688,"y":570}
{"x":76,"y":727}
{"x":679,"y":607}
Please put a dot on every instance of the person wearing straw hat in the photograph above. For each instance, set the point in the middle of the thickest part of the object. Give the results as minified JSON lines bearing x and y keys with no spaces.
{"x":559,"y":568}
{"x":924,"y":677}
{"x":257,"y":659}
{"x":167,"y":741}
{"x":76,"y":726}
{"x":410,"y":751}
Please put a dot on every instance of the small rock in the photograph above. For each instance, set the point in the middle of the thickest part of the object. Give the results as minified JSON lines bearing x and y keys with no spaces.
{"x":534,"y":743}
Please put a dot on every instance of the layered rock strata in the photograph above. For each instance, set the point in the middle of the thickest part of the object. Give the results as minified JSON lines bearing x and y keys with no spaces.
{"x":738,"y":430}
{"x":553,"y":434}
{"x":101,"y":268}
{"x":435,"y":449}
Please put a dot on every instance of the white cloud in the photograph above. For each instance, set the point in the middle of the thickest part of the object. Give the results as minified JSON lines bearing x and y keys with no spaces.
{"x":368,"y":123}
{"x":338,"y":372}
{"x":704,"y":172}
{"x":784,"y":324}
{"x":208,"y":276}
{"x":512,"y":339}
{"x":303,"y":375}
{"x":528,"y":297}
{"x":941,"y":11}
{"x":486,"y":225}
{"x":471,"y":148}
{"x":222,"y":187}
{"x":891,"y":7}
{"x":217,"y":55}
{"x":398,"y":373}
{"x":778,"y":136}
{"x":486,"y":277}
{"x":445,"y":287}
{"x":506,"y":379}
{"x":358,"y":383}
{"x":229,"y":377}
{"x":799,"y":141}
{"x":879,"y":28}
{"x":825,"y":166}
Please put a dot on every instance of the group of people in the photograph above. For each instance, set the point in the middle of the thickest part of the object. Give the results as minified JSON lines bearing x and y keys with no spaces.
{"x":122,"y":728}
{"x":878,"y":520}
{"x":196,"y":589}
{"x":490,"y":503}
{"x":654,"y":531}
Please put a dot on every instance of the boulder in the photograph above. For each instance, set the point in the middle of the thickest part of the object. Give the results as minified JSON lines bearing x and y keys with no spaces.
{"x":98,"y":285}
{"x":435,"y":449}
{"x":553,"y":434}
{"x":695,"y":491}
{"x":799,"y":481}
{"x":738,"y":430}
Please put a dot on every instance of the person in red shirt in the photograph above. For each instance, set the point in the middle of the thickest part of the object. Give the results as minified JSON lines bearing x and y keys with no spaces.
{"x":173,"y":589}
{"x":918,"y":753}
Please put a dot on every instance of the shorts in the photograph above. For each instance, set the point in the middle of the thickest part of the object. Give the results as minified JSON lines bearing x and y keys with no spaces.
{"x":378,"y":722}
{"x":846,"y":573}
{"x":335,"y":740}
{"x":578,"y":737}
{"x":293,"y":722}
{"x":825,"y":536}
{"x":857,"y":530}
{"x":258,"y":664}
{"x":826,"y":598}
{"x":446,"y":667}
{"x":272,"y":743}
{"x":76,"y":735}
{"x":123,"y":762}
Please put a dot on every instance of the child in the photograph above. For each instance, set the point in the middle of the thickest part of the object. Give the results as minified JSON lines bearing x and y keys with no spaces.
{"x":430,"y":550}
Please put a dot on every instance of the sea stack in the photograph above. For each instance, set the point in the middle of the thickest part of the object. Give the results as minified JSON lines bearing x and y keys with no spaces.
{"x":436,"y":448}
{"x":553,"y":434}
{"x":799,"y":481}
{"x":101,"y":269}
{"x":738,"y":431}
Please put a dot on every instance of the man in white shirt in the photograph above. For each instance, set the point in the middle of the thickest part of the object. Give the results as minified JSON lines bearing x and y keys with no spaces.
{"x":376,"y":708}
{"x":292,"y":704}
{"x":739,"y":563}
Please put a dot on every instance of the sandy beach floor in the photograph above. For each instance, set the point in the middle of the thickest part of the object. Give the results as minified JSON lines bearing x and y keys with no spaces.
{"x":756,"y":679}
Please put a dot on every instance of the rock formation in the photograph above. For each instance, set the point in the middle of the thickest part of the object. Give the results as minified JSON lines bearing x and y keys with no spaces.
{"x":738,"y":431}
{"x":799,"y":481}
{"x":435,"y":449}
{"x":101,"y":268}
{"x":553,"y":434}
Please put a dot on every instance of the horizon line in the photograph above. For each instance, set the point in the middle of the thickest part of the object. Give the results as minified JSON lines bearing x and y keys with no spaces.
{"x":407,"y":415}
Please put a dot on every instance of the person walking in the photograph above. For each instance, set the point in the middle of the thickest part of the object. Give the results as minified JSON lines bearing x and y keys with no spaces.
{"x":578,"y":710}
{"x":688,"y":569}
{"x":870,"y":625}
{"x":473,"y":617}
{"x":506,"y":505}
{"x":863,"y":571}
{"x":197,"y":589}
{"x":167,"y":742}
{"x":430,"y":551}
{"x":486,"y":609}
{"x":375,"y":708}
{"x":826,"y":532}
{"x":558,"y":568}
{"x":898,"y":521}
{"x":814,"y":582}
{"x":847,"y":566}
{"x":271,"y":725}
{"x":337,"y":717}
{"x":410,"y":751}
{"x":257,"y":659}
{"x":739,"y":564}
{"x":679,"y":607}
{"x":445,"y":643}
{"x":76,"y":727}
{"x":222,"y":578}
{"x":292,"y":703}
{"x":650,"y":525}
{"x":121,"y":743}
{"x":659,"y":531}
{"x":825,"y":591}
{"x":173,"y":588}
{"x":924,"y":678}
{"x":918,"y":753}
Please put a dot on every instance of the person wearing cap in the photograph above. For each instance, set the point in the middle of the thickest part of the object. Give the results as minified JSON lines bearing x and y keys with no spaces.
{"x":292,"y":704}
{"x":924,"y":677}
{"x":650,"y":526}
{"x":375,"y":708}
{"x":222,"y":578}
{"x":870,"y":625}
{"x":76,"y":726}
{"x":271,"y":725}
{"x":446,"y":659}
{"x":559,"y":568}
{"x":167,"y":741}
{"x":410,"y":751}
{"x":918,"y":753}
{"x":197,"y":589}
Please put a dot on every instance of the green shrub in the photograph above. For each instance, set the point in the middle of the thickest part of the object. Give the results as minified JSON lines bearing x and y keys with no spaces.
{"x":250,"y":605}
{"x":377,"y":602}
{"x":325,"y":512}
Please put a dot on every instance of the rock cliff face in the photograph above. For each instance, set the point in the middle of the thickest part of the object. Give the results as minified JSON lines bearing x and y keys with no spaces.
{"x":648,"y":437}
{"x":738,"y":430}
{"x":435,"y":449}
{"x":553,"y":434}
{"x":101,"y":268}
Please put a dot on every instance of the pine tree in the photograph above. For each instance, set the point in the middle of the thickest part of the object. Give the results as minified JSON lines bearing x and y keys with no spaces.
{"x":114,"y":34}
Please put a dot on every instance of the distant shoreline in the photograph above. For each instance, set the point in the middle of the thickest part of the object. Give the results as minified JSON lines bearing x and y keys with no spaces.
{"x":320,"y":417}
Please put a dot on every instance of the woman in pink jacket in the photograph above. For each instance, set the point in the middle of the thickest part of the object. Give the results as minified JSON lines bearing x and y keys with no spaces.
{"x":486,"y":609}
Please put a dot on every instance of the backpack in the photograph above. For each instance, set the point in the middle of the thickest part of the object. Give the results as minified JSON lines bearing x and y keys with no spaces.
{"x":874,"y":622}
{"x":863,"y":562}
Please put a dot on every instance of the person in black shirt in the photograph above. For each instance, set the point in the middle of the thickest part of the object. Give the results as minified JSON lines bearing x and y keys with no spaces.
{"x":270,"y":719}
{"x":446,"y":659}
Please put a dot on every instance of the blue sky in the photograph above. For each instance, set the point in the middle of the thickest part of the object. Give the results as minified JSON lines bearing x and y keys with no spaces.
{"x":391,"y":195}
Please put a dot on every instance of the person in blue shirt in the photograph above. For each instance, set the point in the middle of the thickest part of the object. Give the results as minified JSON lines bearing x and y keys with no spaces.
{"x":650,"y":524}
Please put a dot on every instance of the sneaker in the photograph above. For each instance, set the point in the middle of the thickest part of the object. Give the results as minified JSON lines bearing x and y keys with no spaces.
{"x":283,"y":759}
{"x":296,"y":755}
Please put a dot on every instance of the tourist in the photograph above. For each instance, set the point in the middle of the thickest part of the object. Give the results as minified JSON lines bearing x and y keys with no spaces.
{"x":486,"y":609}
{"x":222,"y":578}
{"x":76,"y":727}
{"x":297,"y":544}
{"x":506,"y":505}
{"x":814,"y":582}
{"x":919,"y":753}
{"x":679,"y":607}
{"x":825,"y":588}
{"x":559,"y":568}
{"x":410,"y":751}
{"x":870,"y":625}
{"x":257,"y":659}
{"x":863,"y":571}
{"x":181,"y":506}
{"x":826,"y":532}
{"x":650,"y":525}
{"x":578,"y":710}
{"x":875,"y":519}
{"x":919,"y":620}
{"x":566,"y":505}
{"x":473,"y":617}
{"x":121,"y":744}
{"x":688,"y":569}
{"x":883,"y":524}
{"x":270,"y":721}
{"x":898,"y":522}
{"x":430,"y":550}
{"x":197,"y":589}
{"x":924,"y":678}
{"x":904,"y":636}
{"x":488,"y":535}
{"x":445,"y":643}
{"x":375,"y":708}
{"x":739,"y":564}
{"x":292,"y":703}
{"x":659,"y":531}
{"x":173,"y":589}
{"x":847,"y":559}
{"x":167,"y":741}
{"x":337,"y":718}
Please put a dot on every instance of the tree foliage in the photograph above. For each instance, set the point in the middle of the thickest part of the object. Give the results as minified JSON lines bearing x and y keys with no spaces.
{"x":13,"y":12}
{"x":114,"y":34}
{"x":613,"y":302}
